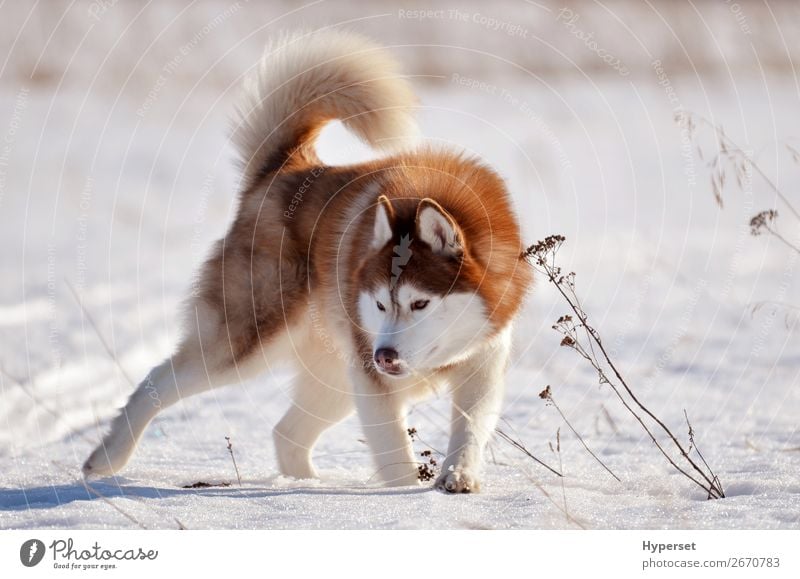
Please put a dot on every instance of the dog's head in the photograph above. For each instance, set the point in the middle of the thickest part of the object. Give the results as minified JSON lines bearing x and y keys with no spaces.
{"x":418,"y":298}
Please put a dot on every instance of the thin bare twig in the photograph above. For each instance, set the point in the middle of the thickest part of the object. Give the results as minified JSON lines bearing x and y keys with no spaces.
{"x":547,"y":395}
{"x":521,"y":447}
{"x":107,"y":501}
{"x":550,"y":498}
{"x":557,"y":452}
{"x":96,"y":328}
{"x":734,"y":153}
{"x":542,"y":255}
{"x":693,"y":444}
{"x":52,"y":412}
{"x":233,"y":458}
{"x":101,"y":496}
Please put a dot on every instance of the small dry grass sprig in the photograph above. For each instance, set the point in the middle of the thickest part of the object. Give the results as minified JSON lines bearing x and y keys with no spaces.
{"x":429,"y":467}
{"x":557,"y":452}
{"x":91,"y":490}
{"x":547,"y":396}
{"x":550,"y":498}
{"x":521,"y":447}
{"x":693,"y":446}
{"x":730,"y":157}
{"x":29,"y":390}
{"x":791,"y":314}
{"x":96,"y":328}
{"x":233,"y":458}
{"x":584,"y":339}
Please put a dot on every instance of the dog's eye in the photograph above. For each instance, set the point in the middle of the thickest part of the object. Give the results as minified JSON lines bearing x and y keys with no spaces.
{"x":381,"y":307}
{"x":419,"y":305}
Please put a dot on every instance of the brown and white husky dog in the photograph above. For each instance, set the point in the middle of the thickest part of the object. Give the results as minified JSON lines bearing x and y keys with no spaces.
{"x":378,"y":281}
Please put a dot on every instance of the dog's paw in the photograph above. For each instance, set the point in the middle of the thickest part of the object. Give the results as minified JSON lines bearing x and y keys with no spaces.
{"x":112,"y":454}
{"x":458,"y":481}
{"x":99,"y":464}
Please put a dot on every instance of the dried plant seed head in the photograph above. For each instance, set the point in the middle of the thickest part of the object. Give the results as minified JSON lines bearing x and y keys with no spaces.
{"x":425,"y":473}
{"x":760,"y":222}
{"x":540,"y":250}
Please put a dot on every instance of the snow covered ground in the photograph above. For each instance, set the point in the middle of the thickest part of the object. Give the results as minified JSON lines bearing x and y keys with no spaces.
{"x":121,"y":203}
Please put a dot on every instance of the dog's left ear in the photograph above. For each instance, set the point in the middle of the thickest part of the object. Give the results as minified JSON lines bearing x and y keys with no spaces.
{"x":384,"y":216}
{"x":437,"y":228}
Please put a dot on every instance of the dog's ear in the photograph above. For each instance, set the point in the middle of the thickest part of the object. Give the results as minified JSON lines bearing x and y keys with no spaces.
{"x":384,"y":217}
{"x":437,"y":228}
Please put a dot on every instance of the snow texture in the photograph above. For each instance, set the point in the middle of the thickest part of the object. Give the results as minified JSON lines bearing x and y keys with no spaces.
{"x":122,"y":201}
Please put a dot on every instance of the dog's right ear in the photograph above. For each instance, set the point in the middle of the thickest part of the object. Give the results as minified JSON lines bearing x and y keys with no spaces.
{"x":384,"y":217}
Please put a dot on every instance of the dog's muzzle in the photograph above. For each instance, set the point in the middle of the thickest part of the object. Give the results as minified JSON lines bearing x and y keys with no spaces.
{"x":388,"y":361}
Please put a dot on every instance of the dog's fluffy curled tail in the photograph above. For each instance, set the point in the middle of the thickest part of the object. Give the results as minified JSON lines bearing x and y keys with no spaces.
{"x":307,"y":79}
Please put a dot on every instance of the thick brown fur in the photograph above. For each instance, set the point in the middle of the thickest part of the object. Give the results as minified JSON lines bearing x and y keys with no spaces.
{"x":312,"y":244}
{"x":320,"y":242}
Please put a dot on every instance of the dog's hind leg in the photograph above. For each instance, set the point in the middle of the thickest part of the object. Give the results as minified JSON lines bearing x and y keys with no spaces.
{"x":321,"y":398}
{"x":250,"y":298}
{"x":199,"y":364}
{"x":162,"y":387}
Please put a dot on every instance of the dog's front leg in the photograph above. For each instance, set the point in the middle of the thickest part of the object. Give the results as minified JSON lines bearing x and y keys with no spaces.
{"x":477,"y":388}
{"x":381,"y":412}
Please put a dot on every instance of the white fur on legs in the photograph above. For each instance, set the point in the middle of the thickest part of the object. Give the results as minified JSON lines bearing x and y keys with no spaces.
{"x":477,"y":397}
{"x":195,"y":368}
{"x":160,"y":389}
{"x":321,"y":399}
{"x":382,"y":415}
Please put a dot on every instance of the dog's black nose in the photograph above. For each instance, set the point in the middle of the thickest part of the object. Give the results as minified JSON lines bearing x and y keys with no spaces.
{"x":387,"y":358}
